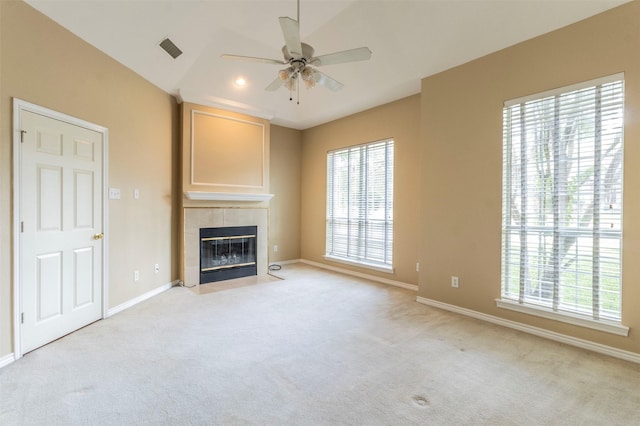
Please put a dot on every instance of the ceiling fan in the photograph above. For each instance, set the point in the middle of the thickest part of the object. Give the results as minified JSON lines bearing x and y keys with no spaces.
{"x":302,"y":63}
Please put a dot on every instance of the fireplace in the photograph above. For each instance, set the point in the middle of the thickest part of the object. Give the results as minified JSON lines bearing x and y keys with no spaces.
{"x":227,"y":253}
{"x":197,"y":218}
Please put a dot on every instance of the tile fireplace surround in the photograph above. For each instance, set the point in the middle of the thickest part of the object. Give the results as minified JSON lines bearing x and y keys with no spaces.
{"x":214,"y":217}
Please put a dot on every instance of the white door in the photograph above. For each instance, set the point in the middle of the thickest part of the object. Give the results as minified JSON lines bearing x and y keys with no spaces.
{"x":61,"y":228}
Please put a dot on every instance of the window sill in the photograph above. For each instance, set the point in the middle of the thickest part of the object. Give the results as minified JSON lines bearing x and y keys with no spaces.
{"x":388,"y":270}
{"x":605,"y":326}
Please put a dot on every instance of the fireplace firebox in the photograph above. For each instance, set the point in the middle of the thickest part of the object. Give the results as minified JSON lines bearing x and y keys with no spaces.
{"x":227,"y":253}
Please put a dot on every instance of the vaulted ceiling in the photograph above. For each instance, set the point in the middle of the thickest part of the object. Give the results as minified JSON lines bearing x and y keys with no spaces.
{"x":409,"y":40}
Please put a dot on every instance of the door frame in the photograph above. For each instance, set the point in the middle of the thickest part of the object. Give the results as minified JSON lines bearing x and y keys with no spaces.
{"x":18,"y":107}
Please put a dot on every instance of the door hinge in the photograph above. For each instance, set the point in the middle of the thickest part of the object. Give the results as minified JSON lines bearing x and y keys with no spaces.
{"x":22,"y":132}
{"x":21,"y":226}
{"x":22,"y":318}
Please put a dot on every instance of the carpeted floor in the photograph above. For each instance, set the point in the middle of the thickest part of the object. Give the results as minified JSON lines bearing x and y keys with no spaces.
{"x":316,"y":348}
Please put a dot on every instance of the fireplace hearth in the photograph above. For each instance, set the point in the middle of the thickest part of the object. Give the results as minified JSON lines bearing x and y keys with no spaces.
{"x":227,"y":253}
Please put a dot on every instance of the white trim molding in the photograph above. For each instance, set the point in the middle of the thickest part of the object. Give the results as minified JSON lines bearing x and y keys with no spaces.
{"x":224,"y":104}
{"x":565,"y":89}
{"x":227,"y":196}
{"x":394,"y":283}
{"x":145,"y":296}
{"x":379,"y":268}
{"x":284,"y":262}
{"x":7,"y":359}
{"x":540,"y":332}
{"x":606,"y":326}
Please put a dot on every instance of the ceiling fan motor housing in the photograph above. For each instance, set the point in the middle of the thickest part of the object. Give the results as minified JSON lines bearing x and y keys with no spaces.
{"x":307,"y":53}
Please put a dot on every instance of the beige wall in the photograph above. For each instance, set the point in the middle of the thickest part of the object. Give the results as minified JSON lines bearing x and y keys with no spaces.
{"x":398,"y":120}
{"x":462,"y":161}
{"x":284,"y":208}
{"x":46,"y":65}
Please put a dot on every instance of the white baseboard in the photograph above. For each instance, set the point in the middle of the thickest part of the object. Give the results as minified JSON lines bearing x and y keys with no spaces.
{"x":551,"y":335}
{"x":361,"y":275}
{"x":6,"y":360}
{"x":148,"y":295}
{"x":284,"y":262}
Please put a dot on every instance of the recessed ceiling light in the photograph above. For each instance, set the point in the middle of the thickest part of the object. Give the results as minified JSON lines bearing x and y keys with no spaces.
{"x":240,"y":81}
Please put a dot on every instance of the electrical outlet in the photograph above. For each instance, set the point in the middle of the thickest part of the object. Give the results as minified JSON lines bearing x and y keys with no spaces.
{"x":136,"y":275}
{"x":455,"y":282}
{"x":275,"y":249}
{"x":417,"y":266}
{"x":156,"y":268}
{"x":136,"y":194}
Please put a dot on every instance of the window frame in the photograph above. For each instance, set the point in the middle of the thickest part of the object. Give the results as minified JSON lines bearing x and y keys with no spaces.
{"x":360,"y":242}
{"x":517,"y":303}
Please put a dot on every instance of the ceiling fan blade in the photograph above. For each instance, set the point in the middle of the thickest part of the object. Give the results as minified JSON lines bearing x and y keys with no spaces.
{"x":291,"y":33}
{"x":352,"y":55}
{"x":324,"y":80}
{"x":252,"y":59}
{"x":275,"y":85}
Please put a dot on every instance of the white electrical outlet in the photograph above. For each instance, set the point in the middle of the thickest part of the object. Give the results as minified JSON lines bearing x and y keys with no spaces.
{"x":136,"y":275}
{"x":275,"y":249}
{"x":417,"y":266}
{"x":156,"y":268}
{"x":136,"y":194}
{"x":455,"y":282}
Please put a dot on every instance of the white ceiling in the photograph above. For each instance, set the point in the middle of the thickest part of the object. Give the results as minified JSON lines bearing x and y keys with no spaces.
{"x":409,"y":40}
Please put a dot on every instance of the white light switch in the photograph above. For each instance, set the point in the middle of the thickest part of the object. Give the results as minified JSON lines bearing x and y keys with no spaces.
{"x":114,"y":193}
{"x":136,"y":193}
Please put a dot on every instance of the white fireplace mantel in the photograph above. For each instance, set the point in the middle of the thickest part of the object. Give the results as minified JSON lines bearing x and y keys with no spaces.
{"x":227,"y":196}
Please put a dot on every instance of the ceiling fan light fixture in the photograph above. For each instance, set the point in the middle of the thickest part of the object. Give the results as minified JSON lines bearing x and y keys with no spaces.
{"x":307,"y":73}
{"x":286,"y":73}
{"x":291,"y":84}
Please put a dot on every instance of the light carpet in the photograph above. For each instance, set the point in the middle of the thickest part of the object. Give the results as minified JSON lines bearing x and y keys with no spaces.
{"x":317,"y":348}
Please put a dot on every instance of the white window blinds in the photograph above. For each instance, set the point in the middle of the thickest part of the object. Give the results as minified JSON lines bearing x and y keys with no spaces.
{"x":562,"y":200}
{"x":360,"y":204}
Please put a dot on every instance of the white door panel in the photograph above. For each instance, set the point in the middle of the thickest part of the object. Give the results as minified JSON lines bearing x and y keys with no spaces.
{"x":48,"y":298}
{"x":83,"y":293}
{"x":61,"y":211}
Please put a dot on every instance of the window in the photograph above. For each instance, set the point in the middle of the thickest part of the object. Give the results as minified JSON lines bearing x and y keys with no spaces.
{"x":562,"y":201}
{"x":360,"y":205}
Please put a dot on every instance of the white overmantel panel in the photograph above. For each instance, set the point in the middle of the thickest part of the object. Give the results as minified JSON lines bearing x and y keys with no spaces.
{"x":224,"y":154}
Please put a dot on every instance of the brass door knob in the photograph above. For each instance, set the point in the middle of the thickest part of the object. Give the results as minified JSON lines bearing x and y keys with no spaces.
{"x":98,"y":236}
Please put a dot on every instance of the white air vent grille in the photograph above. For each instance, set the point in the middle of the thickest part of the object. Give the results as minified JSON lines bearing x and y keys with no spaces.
{"x":170,"y":48}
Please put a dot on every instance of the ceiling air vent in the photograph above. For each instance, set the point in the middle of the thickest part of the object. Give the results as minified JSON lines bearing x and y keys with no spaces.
{"x":170,"y":48}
